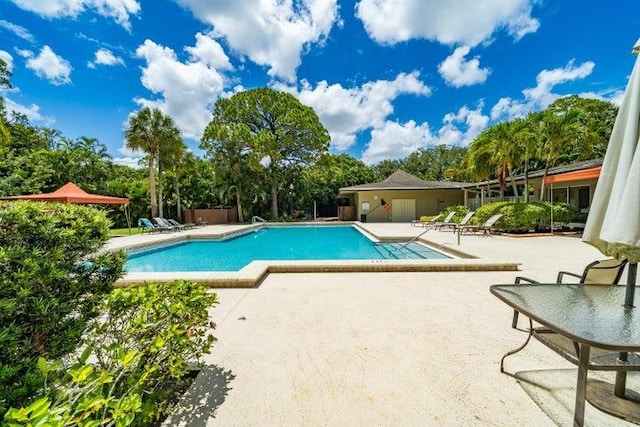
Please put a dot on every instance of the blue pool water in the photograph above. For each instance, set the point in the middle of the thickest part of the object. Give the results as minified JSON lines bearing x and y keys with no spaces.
{"x":275,"y":243}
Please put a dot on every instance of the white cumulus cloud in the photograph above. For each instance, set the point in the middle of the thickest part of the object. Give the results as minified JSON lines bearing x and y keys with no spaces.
{"x":458,"y":72}
{"x":395,"y":140}
{"x":466,"y":22}
{"x":118,"y":10}
{"x":272,"y":33}
{"x":540,"y":96}
{"x":347,"y":111}
{"x":463,"y":126}
{"x":209,"y":52}
{"x":48,"y":65}
{"x":19,"y":31}
{"x":187,"y":89}
{"x":128,"y":157}
{"x":105,"y":57}
{"x":31,"y":111}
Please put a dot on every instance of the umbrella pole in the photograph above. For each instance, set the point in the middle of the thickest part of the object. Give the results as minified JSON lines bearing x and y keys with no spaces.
{"x":621,"y":376}
{"x":631,"y":284}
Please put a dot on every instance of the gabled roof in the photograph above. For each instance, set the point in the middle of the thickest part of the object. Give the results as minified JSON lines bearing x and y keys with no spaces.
{"x":401,"y":180}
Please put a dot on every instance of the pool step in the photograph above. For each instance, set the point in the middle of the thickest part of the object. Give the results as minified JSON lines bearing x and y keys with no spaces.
{"x":403,"y":250}
{"x":400,"y":250}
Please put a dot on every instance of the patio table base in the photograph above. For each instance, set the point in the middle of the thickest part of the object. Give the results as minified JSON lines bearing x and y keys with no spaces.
{"x":601,"y":395}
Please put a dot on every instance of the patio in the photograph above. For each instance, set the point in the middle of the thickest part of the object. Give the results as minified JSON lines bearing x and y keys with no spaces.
{"x":389,"y":348}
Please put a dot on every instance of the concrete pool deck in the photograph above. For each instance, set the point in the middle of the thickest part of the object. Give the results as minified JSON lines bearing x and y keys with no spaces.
{"x":255,"y":272}
{"x":389,"y":348}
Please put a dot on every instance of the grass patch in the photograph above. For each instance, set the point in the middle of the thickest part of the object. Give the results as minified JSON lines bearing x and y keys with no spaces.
{"x":124,"y":231}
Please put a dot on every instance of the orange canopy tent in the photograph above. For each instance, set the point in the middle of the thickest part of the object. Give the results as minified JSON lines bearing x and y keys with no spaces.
{"x":71,"y":193}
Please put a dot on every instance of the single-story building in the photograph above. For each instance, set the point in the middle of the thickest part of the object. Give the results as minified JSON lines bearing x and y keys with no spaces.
{"x":403,"y":197}
{"x":572,"y":183}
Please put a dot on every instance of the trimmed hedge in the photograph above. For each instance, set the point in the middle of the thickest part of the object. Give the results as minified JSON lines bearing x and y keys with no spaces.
{"x":51,"y":284}
{"x":525,"y":217}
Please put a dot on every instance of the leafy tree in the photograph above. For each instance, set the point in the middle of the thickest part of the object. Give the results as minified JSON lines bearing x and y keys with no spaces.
{"x":386,"y":168}
{"x":557,"y":130}
{"x":432,"y":163}
{"x":525,"y":139}
{"x":5,"y":74}
{"x":268,"y":125}
{"x":322,"y":182}
{"x":233,"y":159}
{"x":594,"y":120}
{"x":154,"y":133}
{"x":199,"y":184}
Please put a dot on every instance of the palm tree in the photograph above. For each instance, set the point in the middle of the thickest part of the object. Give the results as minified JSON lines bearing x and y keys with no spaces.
{"x":556,"y":130}
{"x":151,"y":131}
{"x":172,"y":155}
{"x":525,"y":139}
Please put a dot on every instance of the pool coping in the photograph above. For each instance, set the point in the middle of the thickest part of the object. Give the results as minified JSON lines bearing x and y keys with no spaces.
{"x":251,"y":275}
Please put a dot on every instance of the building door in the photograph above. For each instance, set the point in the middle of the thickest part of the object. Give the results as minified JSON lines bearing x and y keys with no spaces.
{"x":403,"y":210}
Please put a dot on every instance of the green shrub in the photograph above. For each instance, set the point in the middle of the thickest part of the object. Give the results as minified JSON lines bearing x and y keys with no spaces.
{"x":524,"y":217}
{"x":148,"y":340}
{"x":51,"y":284}
{"x":521,"y":217}
{"x":460,"y":211}
{"x":564,"y":212}
{"x":484,"y":212}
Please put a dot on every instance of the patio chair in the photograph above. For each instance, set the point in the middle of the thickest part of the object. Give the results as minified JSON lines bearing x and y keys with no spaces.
{"x":179,"y":225}
{"x":417,"y":222}
{"x":445,"y":222}
{"x":145,"y":225}
{"x":603,"y":272}
{"x":487,"y":227}
{"x":163,"y":225}
{"x":464,"y":221}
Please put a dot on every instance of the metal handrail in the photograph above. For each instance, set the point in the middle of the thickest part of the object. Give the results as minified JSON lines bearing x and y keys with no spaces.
{"x":411,"y":241}
{"x":256,"y":218}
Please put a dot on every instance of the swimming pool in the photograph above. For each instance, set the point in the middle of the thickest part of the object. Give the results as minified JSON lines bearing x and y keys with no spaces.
{"x":273,"y":243}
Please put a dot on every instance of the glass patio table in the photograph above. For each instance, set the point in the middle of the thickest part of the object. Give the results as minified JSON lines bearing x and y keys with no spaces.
{"x":589,"y":317}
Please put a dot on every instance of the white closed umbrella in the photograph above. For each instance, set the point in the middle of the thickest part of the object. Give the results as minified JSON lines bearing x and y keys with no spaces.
{"x":613,"y":225}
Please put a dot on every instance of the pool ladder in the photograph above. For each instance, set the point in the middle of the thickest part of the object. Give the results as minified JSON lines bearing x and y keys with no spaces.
{"x":256,"y":218}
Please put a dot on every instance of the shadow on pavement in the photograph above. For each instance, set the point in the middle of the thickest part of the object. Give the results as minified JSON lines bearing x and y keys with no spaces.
{"x":203,"y":398}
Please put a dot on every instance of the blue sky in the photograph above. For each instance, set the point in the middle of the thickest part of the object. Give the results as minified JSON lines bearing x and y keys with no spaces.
{"x":386,"y":77}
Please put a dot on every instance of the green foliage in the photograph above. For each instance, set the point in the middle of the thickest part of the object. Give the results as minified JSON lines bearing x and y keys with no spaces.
{"x":158,"y":136}
{"x":267,"y":131}
{"x":484,"y":212}
{"x":51,"y":283}
{"x":524,"y":217}
{"x":571,"y":129}
{"x":148,"y":340}
{"x":564,"y":212}
{"x":322,"y":182}
{"x":434,"y":163}
{"x":460,"y":212}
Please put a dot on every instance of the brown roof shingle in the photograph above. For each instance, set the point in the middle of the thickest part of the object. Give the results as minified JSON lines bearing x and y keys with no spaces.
{"x":401,"y":180}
